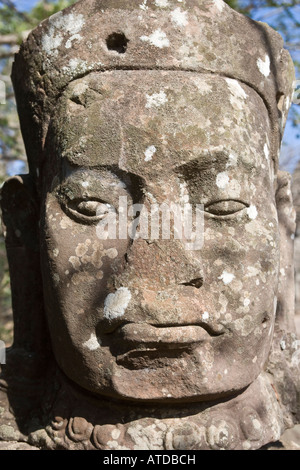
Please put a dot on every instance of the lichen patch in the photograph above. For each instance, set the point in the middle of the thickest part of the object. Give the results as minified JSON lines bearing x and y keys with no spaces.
{"x":158,"y":39}
{"x":150,"y":151}
{"x":226,"y":277}
{"x":264,"y":66}
{"x":156,"y":100}
{"x":222,"y":180}
{"x":116,"y":304}
{"x":93,"y":343}
{"x":179,"y":17}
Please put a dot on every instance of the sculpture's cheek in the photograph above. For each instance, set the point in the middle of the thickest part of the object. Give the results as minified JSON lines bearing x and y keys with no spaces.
{"x":77,"y":276}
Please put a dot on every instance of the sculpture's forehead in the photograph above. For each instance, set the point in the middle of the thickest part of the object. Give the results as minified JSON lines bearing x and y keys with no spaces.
{"x":145,"y":120}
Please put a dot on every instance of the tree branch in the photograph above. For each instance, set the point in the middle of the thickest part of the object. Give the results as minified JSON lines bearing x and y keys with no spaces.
{"x":13,"y":39}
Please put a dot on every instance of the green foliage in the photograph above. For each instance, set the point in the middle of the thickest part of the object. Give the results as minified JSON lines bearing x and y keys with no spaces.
{"x":45,"y":9}
{"x":13,"y":21}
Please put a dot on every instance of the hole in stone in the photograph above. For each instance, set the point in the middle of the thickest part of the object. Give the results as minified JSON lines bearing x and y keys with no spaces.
{"x":117,"y":42}
{"x":266,"y":317}
{"x":197,"y":283}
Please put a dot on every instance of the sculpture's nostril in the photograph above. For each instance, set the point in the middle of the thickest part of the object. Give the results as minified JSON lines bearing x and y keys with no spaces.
{"x":197,"y":283}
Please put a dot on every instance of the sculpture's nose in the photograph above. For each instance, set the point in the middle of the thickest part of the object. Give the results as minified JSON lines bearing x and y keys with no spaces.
{"x":161,"y":264}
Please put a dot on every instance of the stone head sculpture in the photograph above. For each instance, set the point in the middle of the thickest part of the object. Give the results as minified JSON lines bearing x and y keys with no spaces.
{"x":151,"y":103}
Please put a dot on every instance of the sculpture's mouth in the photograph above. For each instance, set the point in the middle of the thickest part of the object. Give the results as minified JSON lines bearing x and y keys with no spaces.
{"x":154,"y":346}
{"x":145,"y":334}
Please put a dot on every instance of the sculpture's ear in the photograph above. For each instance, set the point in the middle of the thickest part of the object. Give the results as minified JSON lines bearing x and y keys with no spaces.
{"x":20,"y":214}
{"x":283,"y":363}
{"x":287,"y":227}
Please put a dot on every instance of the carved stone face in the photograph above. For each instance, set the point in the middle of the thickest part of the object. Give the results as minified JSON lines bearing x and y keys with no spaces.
{"x":149,"y":319}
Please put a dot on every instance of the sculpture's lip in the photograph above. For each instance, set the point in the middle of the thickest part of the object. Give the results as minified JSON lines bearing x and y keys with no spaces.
{"x":148,"y":346}
{"x":145,"y":334}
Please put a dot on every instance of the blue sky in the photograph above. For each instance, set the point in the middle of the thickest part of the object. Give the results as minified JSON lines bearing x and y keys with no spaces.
{"x":25,"y":4}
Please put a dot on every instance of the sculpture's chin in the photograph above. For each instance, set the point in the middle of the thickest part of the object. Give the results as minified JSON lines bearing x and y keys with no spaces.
{"x":210,"y":369}
{"x":145,"y":385}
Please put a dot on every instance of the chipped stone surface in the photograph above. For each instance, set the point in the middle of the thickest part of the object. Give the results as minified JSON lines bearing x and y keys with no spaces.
{"x":128,"y":106}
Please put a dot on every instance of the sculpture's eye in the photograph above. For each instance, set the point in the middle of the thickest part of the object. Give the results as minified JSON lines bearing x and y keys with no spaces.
{"x":88,"y":208}
{"x":225,"y":208}
{"x":89,"y":211}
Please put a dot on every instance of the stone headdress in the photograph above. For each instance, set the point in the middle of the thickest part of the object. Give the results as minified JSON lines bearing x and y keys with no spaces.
{"x":202,"y":36}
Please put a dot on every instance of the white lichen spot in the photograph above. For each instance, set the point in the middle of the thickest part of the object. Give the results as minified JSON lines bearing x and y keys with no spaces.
{"x":266,"y":151}
{"x":283,"y":345}
{"x":56,"y":278}
{"x":252,"y":271}
{"x":75,"y":261}
{"x":158,"y":39}
{"x":244,"y":325}
{"x":59,"y":25}
{"x":219,"y":4}
{"x":226,"y":277}
{"x":205,"y":316}
{"x":254,"y":359}
{"x":112,"y":253}
{"x":282,"y":271}
{"x":93,"y":343}
{"x":252,"y":212}
{"x":85,"y":184}
{"x":143,"y":6}
{"x":150,"y":151}
{"x":116,"y":304}
{"x":65,"y":223}
{"x":78,"y":90}
{"x":236,"y":89}
{"x":156,"y":100}
{"x":179,"y":18}
{"x":161,"y":3}
{"x":232,"y":160}
{"x":246,"y":302}
{"x":222,"y":180}
{"x":75,"y":37}
{"x":81,"y":249}
{"x":80,"y":66}
{"x":264,"y":66}
{"x":56,"y":252}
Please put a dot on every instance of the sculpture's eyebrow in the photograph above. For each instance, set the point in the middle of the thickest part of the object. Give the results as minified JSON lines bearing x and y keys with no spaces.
{"x":206,"y":159}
